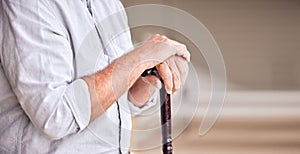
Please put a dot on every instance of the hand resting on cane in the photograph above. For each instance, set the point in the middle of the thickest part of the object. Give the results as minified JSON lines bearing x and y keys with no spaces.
{"x":173,"y":71}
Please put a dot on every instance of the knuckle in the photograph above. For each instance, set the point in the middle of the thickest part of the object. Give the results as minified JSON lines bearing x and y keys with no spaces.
{"x":155,"y":36}
{"x":164,"y":40}
{"x":163,"y":36}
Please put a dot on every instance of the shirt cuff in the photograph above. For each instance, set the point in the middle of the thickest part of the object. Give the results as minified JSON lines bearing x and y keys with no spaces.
{"x":135,"y":110}
{"x":79,"y":101}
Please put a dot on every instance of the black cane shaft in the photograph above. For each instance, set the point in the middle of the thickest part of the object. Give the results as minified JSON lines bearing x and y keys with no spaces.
{"x":166,"y":122}
{"x":165,"y":114}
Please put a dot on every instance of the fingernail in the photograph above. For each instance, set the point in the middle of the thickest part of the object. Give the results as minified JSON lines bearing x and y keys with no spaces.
{"x":169,"y":91}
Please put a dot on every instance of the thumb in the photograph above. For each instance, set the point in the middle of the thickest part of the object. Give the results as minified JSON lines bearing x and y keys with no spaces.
{"x":152,"y":80}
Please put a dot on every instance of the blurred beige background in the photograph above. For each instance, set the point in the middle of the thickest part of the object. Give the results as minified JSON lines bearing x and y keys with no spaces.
{"x":260,"y":43}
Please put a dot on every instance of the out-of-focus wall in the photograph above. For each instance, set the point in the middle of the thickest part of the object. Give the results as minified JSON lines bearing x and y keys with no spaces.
{"x":259,"y":39}
{"x":260,"y":43}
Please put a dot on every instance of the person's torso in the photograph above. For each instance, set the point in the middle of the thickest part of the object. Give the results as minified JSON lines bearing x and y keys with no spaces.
{"x":92,"y":49}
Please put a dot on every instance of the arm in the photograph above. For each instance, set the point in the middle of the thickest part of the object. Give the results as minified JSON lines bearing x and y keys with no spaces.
{"x":109,"y":84}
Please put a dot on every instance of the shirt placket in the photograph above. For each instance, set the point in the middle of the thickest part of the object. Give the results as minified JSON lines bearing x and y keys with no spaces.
{"x":90,"y":10}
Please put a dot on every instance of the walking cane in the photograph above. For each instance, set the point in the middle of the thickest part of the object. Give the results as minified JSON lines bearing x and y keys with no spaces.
{"x":165,"y":114}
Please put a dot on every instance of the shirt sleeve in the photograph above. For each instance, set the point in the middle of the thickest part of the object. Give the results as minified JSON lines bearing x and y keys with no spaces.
{"x":38,"y":61}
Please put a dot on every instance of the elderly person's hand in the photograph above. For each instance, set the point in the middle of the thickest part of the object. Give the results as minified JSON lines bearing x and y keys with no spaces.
{"x":173,"y":71}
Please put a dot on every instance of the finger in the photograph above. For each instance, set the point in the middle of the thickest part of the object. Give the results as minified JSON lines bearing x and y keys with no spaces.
{"x":162,"y":38}
{"x":175,"y":75}
{"x":181,"y":50}
{"x":183,"y":68}
{"x":154,"y":37}
{"x":153,"y":80}
{"x":166,"y":75}
{"x":158,"y":37}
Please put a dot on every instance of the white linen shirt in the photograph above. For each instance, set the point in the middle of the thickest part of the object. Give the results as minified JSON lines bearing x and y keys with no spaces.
{"x":46,"y":47}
